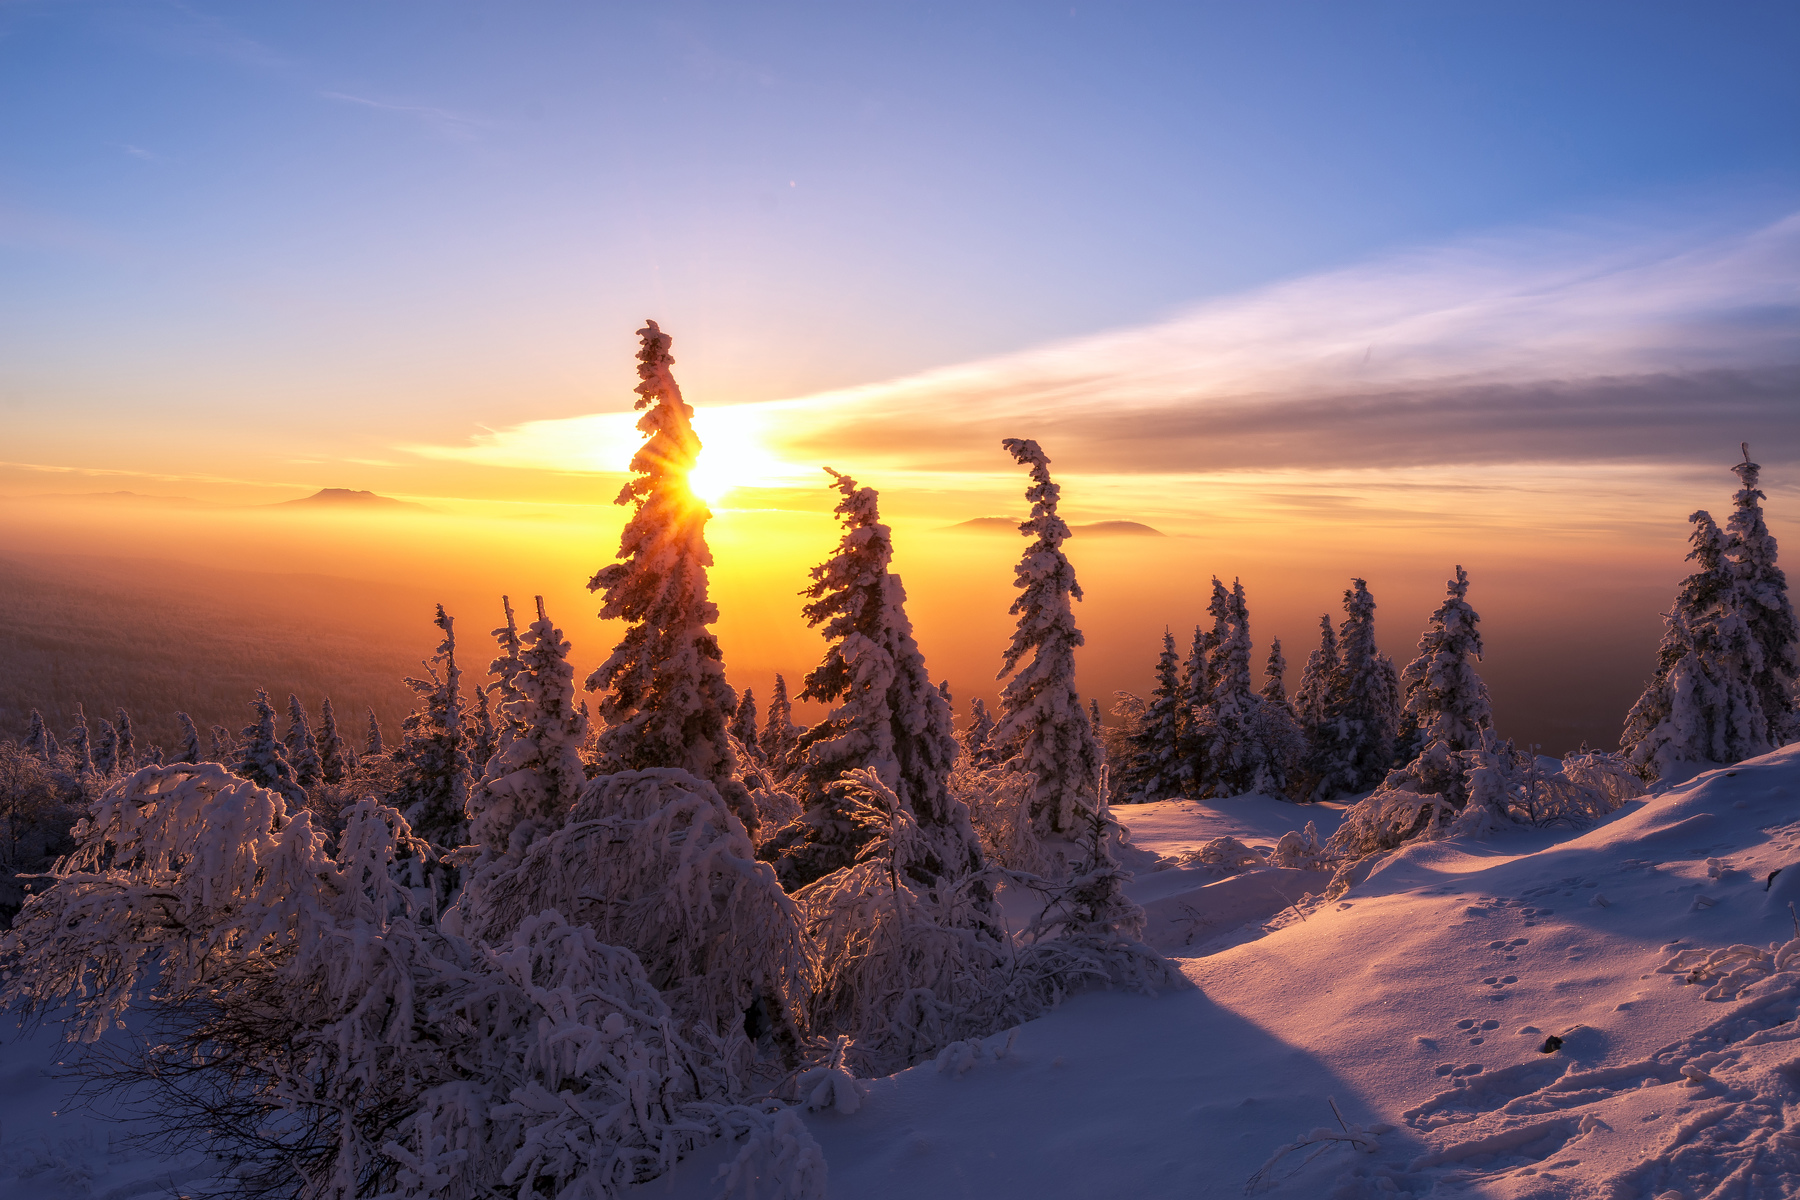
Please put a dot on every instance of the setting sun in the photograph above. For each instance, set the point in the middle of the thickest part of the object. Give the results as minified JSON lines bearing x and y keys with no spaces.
{"x":732,"y":455}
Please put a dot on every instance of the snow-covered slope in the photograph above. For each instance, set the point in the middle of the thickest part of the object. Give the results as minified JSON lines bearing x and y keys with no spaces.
{"x":1419,"y":1002}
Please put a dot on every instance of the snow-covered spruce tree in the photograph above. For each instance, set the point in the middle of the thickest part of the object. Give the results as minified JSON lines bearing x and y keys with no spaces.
{"x":1700,"y":706}
{"x":372,"y":747}
{"x":1759,"y":598}
{"x":40,"y":741}
{"x":189,"y":750}
{"x":261,"y":758}
{"x":127,"y":741}
{"x":106,"y":750}
{"x":432,"y":787}
{"x":655,"y":862}
{"x":81,"y":752}
{"x":1274,"y":688}
{"x":301,"y":745}
{"x":1095,"y":723}
{"x":888,"y":714}
{"x":1354,"y":746}
{"x":1196,"y":693}
{"x":1154,"y":772}
{"x":1443,"y":701}
{"x":779,"y":734}
{"x":663,"y":695}
{"x":530,"y":786}
{"x":1250,"y":744}
{"x":315,"y":1031}
{"x":743,"y":725}
{"x":224,"y":746}
{"x":1042,"y":722}
{"x":486,"y":737}
{"x":333,"y":762}
{"x":978,"y":739}
{"x":503,"y":668}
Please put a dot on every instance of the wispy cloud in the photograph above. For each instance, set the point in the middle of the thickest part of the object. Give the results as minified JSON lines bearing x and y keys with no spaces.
{"x":1535,"y":348}
{"x":439,"y":120}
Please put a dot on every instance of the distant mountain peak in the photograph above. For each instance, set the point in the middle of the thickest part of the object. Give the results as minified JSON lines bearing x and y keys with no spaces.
{"x":1096,"y":529}
{"x":347,"y":498}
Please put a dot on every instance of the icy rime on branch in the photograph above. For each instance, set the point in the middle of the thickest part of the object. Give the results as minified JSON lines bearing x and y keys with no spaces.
{"x":663,"y":694}
{"x":1041,"y":718}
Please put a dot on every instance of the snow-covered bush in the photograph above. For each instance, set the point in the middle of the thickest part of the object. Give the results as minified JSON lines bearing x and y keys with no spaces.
{"x":1497,"y":786}
{"x":38,"y":805}
{"x":905,"y":970}
{"x":326,"y":1042}
{"x":655,"y":861}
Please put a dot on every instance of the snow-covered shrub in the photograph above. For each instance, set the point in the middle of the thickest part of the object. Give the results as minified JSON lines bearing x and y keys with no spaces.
{"x":1496,"y":786}
{"x":1088,"y":927}
{"x":999,"y":804}
{"x":326,"y":1042}
{"x":655,"y":861}
{"x":38,"y":805}
{"x":1225,"y":855}
{"x":1299,"y":849}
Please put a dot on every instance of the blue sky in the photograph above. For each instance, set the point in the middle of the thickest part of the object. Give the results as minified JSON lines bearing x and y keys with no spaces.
{"x":388,"y":212}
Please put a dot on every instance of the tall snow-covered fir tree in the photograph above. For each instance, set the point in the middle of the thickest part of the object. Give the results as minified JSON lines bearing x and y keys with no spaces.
{"x":106,"y":750}
{"x":1313,"y":697}
{"x":1442,"y":698}
{"x":743,"y":724}
{"x":503,"y":668}
{"x":1200,"y":679}
{"x":888,"y":716}
{"x":432,"y":786}
{"x":261,"y":758}
{"x":372,"y":746}
{"x":1274,"y":688}
{"x":779,"y":733}
{"x":1759,"y":599}
{"x":531,"y":784}
{"x":1351,"y":743}
{"x":81,"y":751}
{"x":663,"y":695}
{"x":301,"y":745}
{"x":188,"y":751}
{"x":978,"y":739}
{"x":1250,"y":744}
{"x":1155,"y":770}
{"x":333,"y":762}
{"x":1723,"y":686}
{"x":485,"y":736}
{"x":40,"y":741}
{"x":128,"y":740}
{"x":1042,"y":721}
{"x":224,"y":746}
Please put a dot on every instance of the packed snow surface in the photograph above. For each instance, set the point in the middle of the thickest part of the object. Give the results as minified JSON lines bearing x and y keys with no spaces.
{"x":1654,"y":945}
